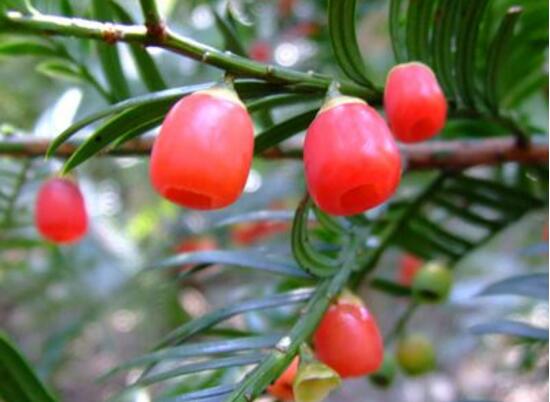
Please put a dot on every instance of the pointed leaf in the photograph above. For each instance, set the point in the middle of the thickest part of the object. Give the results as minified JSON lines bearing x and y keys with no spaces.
{"x":513,"y":328}
{"x":109,"y":55}
{"x":341,"y":22}
{"x":530,"y":285}
{"x":19,"y":382}
{"x":282,"y":131}
{"x":145,"y":64}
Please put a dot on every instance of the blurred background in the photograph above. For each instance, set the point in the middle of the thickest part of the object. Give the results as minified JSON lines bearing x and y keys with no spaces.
{"x":77,"y":311}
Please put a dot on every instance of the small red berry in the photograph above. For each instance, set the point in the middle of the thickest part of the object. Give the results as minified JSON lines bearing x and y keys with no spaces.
{"x":202,"y":155}
{"x":282,"y":387}
{"x":351,"y":160}
{"x":348,"y":340}
{"x":415,"y":105}
{"x":409,"y":266}
{"x":260,"y":51}
{"x":60,"y":212}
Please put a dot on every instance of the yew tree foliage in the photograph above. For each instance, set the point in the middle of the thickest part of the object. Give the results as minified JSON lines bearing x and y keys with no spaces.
{"x":488,"y":56}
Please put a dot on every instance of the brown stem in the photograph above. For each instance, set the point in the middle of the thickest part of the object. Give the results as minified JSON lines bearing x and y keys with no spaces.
{"x":454,"y":154}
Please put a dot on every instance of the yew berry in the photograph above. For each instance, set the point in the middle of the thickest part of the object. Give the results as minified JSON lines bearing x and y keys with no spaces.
{"x":408,"y":268}
{"x":282,"y":387}
{"x":202,"y":155}
{"x":415,"y":355}
{"x":432,"y":283}
{"x":60,"y":211}
{"x":384,"y":376}
{"x":351,"y":160}
{"x":348,"y":340}
{"x":415,"y":105}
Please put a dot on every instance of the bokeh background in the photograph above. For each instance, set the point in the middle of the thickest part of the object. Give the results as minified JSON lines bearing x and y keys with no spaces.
{"x":77,"y":311}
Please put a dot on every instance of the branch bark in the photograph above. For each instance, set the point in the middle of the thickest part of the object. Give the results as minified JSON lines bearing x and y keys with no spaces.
{"x":452,"y":155}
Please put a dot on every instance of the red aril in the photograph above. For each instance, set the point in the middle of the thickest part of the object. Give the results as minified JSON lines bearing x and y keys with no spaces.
{"x":202,"y":155}
{"x":282,"y":387}
{"x":415,"y":105}
{"x":348,"y":340}
{"x":351,"y":160}
{"x":60,"y":211}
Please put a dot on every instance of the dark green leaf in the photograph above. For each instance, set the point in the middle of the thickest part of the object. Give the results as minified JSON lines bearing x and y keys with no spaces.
{"x":145,"y":64}
{"x":116,"y":127}
{"x":446,"y":23}
{"x":341,"y":22}
{"x":19,"y":382}
{"x":282,"y":131}
{"x":394,"y":25}
{"x":309,"y":259}
{"x":513,"y":328}
{"x":232,"y":41}
{"x":496,"y":56}
{"x":161,"y":97}
{"x":471,"y":16}
{"x":109,"y":55}
{"x":529,"y":285}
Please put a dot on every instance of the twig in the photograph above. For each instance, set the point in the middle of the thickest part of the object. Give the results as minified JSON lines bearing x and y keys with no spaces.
{"x":449,"y":155}
{"x":140,"y":34}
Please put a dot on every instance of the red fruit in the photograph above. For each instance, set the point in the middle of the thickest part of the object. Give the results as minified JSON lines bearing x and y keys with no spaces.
{"x":282,"y":387}
{"x":260,"y":51}
{"x":351,"y":160}
{"x":410,"y":265}
{"x":348,"y":340}
{"x":202,"y":155}
{"x":415,"y":105}
{"x":60,"y":212}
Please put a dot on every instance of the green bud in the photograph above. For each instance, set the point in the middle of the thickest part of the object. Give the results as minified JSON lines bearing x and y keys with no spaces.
{"x":415,"y":355}
{"x":432,"y":283}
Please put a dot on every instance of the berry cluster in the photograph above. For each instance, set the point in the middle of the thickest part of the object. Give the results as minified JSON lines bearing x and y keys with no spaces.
{"x":201,"y":160}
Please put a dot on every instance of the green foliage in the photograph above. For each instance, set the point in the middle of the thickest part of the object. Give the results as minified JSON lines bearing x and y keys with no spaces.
{"x":19,"y":383}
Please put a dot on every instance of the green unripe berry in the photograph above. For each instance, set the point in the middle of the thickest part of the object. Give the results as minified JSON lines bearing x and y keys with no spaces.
{"x":432,"y":283}
{"x":385,"y":375}
{"x":415,"y":355}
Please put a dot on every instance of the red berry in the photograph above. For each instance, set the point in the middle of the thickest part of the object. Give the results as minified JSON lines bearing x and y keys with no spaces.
{"x":202,"y":155}
{"x":410,"y":265}
{"x":260,"y":51}
{"x":60,"y":212}
{"x":351,"y":160}
{"x":415,"y":105}
{"x":282,"y":387}
{"x":348,"y":340}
